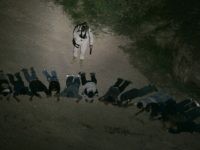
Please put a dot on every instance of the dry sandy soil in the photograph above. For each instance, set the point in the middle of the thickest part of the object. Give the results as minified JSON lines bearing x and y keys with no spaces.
{"x":38,"y":33}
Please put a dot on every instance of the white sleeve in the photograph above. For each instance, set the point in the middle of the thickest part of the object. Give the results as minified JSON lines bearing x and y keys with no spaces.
{"x":75,"y":34}
{"x":91,"y":40}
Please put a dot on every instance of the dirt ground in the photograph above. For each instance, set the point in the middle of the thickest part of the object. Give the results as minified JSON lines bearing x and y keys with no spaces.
{"x":38,"y":33}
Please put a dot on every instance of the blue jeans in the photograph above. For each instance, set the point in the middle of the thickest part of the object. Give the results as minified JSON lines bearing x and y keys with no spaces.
{"x":50,"y":77}
{"x":30,"y":77}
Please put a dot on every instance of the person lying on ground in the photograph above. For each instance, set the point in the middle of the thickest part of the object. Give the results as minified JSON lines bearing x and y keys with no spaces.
{"x":35,"y":84}
{"x":5,"y":88}
{"x":54,"y":84}
{"x":19,"y":86}
{"x":184,"y":120}
{"x":72,"y":87}
{"x":155,"y":104}
{"x":89,"y":87}
{"x":128,"y":96}
{"x":114,"y":91}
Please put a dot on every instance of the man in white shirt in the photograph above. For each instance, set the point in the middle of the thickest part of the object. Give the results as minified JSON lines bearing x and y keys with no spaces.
{"x":82,"y":37}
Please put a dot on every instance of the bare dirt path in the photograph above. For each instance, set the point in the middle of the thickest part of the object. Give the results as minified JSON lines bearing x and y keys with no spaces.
{"x":38,"y":33}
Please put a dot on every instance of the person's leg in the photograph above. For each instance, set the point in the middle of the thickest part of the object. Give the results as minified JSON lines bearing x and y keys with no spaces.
{"x":123,"y":86}
{"x":75,"y":55}
{"x":26,"y":75}
{"x":193,"y":113}
{"x":77,"y":80}
{"x":129,"y":95}
{"x":54,"y":75}
{"x":93,"y":77}
{"x":11,"y":78}
{"x":19,"y":78}
{"x":118,"y":82}
{"x":146,"y":90}
{"x":69,"y":80}
{"x":83,"y":78}
{"x":33,"y":74}
{"x":42,"y":87}
{"x":47,"y":75}
{"x":183,"y":105}
{"x":2,"y":75}
{"x":83,"y":49}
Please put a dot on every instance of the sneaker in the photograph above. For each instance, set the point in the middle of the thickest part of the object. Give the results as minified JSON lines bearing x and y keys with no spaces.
{"x":196,"y":103}
{"x":81,"y":62}
{"x":73,"y":60}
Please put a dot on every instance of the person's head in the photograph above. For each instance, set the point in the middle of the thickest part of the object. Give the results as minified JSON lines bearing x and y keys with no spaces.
{"x":84,"y":26}
{"x":90,"y":94}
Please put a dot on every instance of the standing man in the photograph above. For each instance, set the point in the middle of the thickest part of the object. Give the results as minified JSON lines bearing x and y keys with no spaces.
{"x":82,"y":37}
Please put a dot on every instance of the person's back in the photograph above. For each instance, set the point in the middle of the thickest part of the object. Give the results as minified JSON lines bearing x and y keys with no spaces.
{"x":72,"y":87}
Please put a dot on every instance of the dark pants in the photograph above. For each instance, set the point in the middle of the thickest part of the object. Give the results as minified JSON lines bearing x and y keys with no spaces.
{"x":133,"y":93}
{"x":121,"y":84}
{"x":84,"y":81}
{"x":185,"y":105}
{"x":37,"y":86}
{"x":115,"y":90}
{"x":52,"y":78}
{"x":30,"y":77}
{"x":72,"y":87}
{"x":19,"y":87}
{"x":34,"y":84}
{"x":71,"y":80}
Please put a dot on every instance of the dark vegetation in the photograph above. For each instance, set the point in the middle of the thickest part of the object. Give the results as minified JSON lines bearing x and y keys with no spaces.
{"x":165,"y":35}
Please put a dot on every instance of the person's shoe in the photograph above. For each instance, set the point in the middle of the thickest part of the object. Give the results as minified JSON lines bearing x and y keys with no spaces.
{"x":196,"y":103}
{"x":73,"y":60}
{"x":81,"y":62}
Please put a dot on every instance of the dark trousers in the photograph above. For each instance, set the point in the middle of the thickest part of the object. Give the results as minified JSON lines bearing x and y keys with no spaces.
{"x":121,"y":84}
{"x":84,"y":81}
{"x":71,"y":80}
{"x":133,"y":93}
{"x":19,"y":87}
{"x":30,"y":77}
